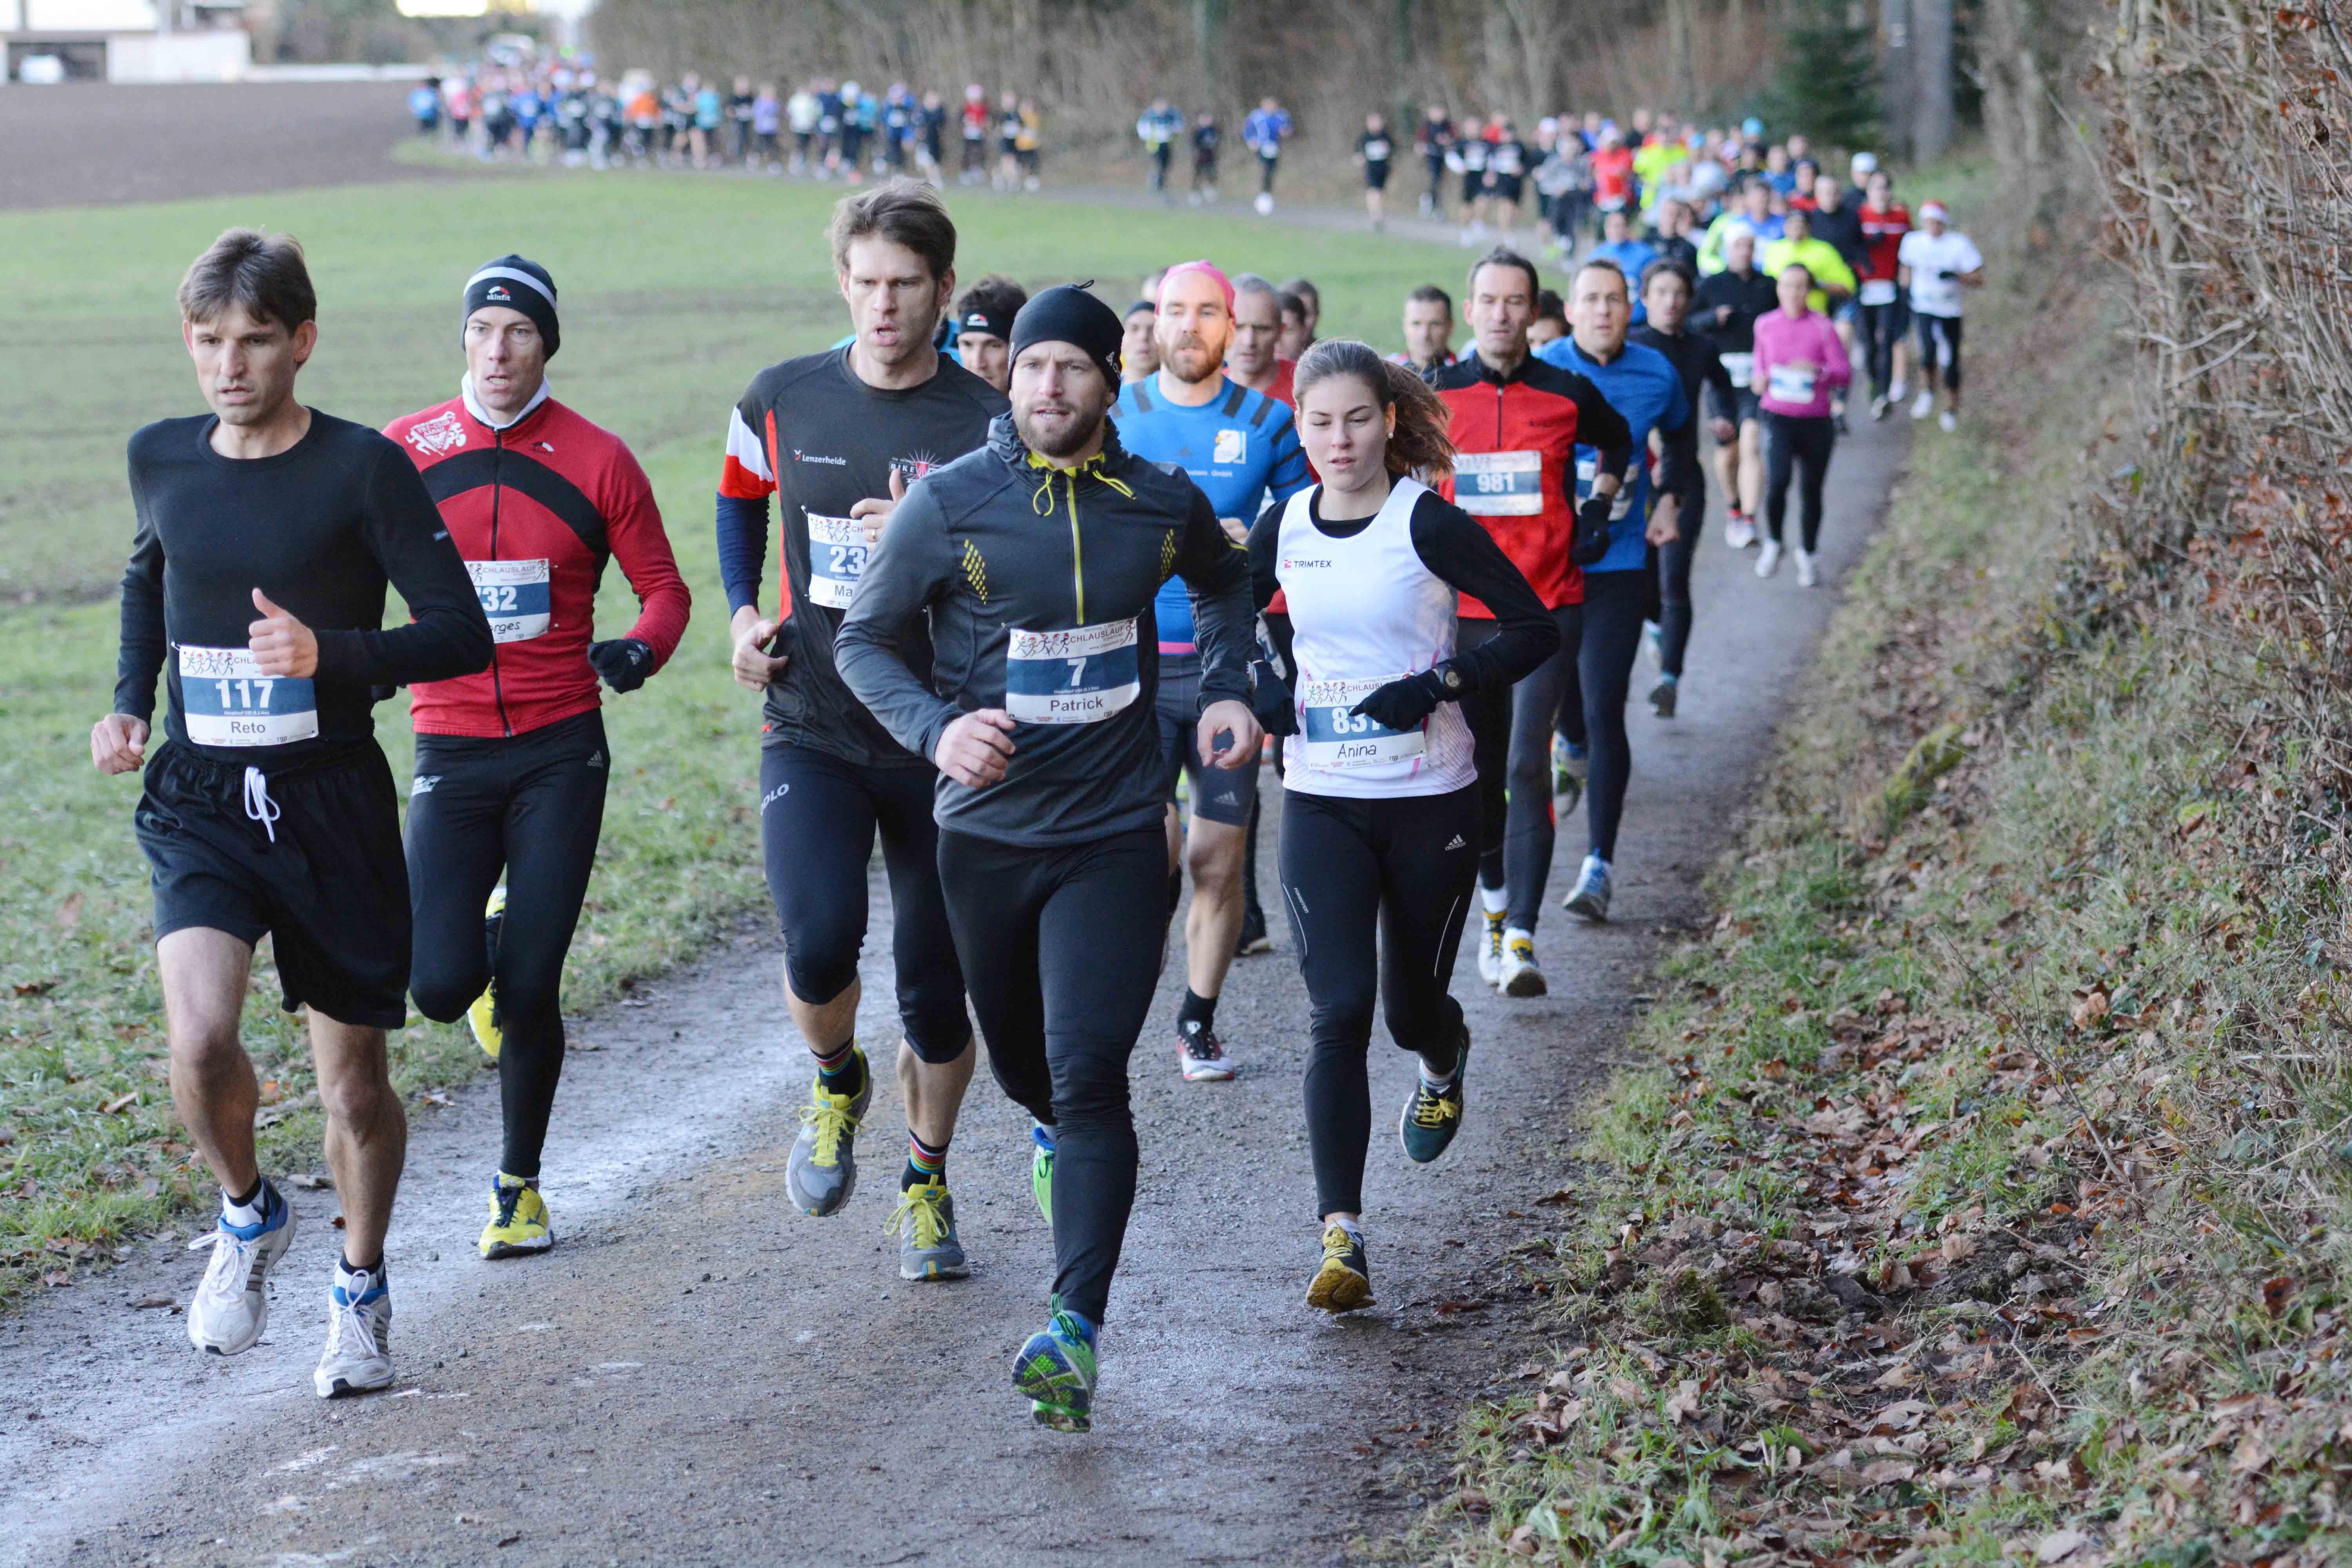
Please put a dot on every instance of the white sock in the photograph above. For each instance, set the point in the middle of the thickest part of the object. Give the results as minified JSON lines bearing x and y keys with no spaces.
{"x":239,"y":1213}
{"x":1355,"y":1228}
{"x":1595,"y":863}
{"x":1494,"y":901}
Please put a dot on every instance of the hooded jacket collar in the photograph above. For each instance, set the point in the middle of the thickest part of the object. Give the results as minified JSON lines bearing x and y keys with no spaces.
{"x":482,"y":416}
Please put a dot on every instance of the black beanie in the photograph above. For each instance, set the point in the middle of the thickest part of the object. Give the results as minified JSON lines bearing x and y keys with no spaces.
{"x":518,"y":285}
{"x":1071,"y":315}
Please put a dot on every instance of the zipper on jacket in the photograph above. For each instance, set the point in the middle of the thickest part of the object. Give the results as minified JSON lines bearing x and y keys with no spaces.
{"x":498,"y":488}
{"x":1077,"y":554}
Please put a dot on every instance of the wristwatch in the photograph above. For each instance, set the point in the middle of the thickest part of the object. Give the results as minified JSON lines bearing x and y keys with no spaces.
{"x":1449,"y":676}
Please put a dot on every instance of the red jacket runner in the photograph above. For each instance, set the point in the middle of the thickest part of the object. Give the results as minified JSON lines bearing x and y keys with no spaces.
{"x":536,"y":510}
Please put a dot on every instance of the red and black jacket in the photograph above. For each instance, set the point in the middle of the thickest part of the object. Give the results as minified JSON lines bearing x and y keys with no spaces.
{"x":1539,"y":413}
{"x":537,"y":510}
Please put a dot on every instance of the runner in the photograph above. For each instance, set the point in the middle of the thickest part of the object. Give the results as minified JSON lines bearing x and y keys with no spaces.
{"x":983,"y":333}
{"x":1241,"y":448}
{"x":1550,"y":324}
{"x":1206,"y":137}
{"x":1751,"y":209}
{"x":1517,"y":423}
{"x":1800,"y":366}
{"x":1725,"y":313}
{"x":975,"y":136}
{"x":1138,"y":356}
{"x":801,"y":112}
{"x":268,"y":808}
{"x":1468,"y":156}
{"x":931,"y":124}
{"x":1254,"y":358}
{"x":1157,"y":129}
{"x":1009,"y":126}
{"x":1029,"y":144}
{"x":1832,"y":280}
{"x":1428,"y":331}
{"x":1263,"y":134}
{"x":1642,"y":386}
{"x":1373,"y":151}
{"x":1433,"y":142}
{"x":1295,"y":336}
{"x":1038,"y":560}
{"x":1310,"y":304}
{"x":836,"y":432}
{"x":1884,"y":318}
{"x":1380,"y":815}
{"x":509,"y":793}
{"x":1667,"y":289}
{"x":1506,"y":169}
{"x":1938,"y":264}
{"x":766,"y":122}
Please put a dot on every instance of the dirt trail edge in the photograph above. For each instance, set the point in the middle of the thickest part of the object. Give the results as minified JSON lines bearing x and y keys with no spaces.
{"x":697,"y":1373}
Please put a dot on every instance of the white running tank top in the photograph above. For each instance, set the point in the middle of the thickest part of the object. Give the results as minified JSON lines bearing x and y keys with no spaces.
{"x":1365,"y":611}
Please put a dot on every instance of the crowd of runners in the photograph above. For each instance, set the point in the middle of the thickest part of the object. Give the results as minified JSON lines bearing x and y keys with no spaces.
{"x":1054,"y":582}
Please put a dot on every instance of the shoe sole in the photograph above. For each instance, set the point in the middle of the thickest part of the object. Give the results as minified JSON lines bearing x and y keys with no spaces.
{"x":262,"y":1324}
{"x":1525,"y":984}
{"x":1337,"y":1290}
{"x":344,"y":1388}
{"x":1404,"y":1122}
{"x":498,"y":1249}
{"x":848,"y":1191}
{"x":1597,"y":913}
{"x":1244,"y":950}
{"x":934,"y":1272}
{"x":1046,"y":1407}
{"x":1208,"y":1074}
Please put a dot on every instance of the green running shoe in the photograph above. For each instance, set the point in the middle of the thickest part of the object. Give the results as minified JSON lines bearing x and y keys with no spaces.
{"x":1056,"y":1370}
{"x":1431,"y":1118}
{"x":1041,"y":1171}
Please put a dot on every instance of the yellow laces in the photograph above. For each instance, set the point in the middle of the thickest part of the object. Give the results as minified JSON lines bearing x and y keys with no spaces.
{"x":829,"y":1114}
{"x":919,"y":1206}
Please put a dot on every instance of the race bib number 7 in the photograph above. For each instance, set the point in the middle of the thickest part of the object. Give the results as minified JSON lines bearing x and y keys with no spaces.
{"x":1498,"y":484}
{"x":514,"y":598}
{"x":1077,"y":677}
{"x":837,"y":551}
{"x":1338,"y":741}
{"x":226,"y":701}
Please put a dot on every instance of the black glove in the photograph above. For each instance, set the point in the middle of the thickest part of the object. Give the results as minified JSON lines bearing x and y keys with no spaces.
{"x":1403,"y":704}
{"x":1947,"y":275}
{"x":624,"y":662}
{"x":383,"y":693}
{"x":1270,"y":700}
{"x":1591,"y":541}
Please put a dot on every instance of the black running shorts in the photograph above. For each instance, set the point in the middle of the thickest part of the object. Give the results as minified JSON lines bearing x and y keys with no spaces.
{"x":1218,"y":795}
{"x":306,"y":854}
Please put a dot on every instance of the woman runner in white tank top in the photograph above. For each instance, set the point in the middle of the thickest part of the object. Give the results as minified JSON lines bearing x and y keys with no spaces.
{"x":1379,"y":817}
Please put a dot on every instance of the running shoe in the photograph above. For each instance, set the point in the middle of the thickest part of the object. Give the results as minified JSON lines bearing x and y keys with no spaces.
{"x":484,"y":1013}
{"x":1041,"y":1171}
{"x":1265,"y":205}
{"x":1203,"y":1057}
{"x":518,"y":1219}
{"x":358,"y":1357}
{"x":1923,"y":405}
{"x":1653,"y":639}
{"x":1879,"y":407}
{"x":1432,"y":1117}
{"x":1806,"y":576}
{"x":1895,"y":392}
{"x":231,"y":1307}
{"x":1345,"y":1281}
{"x":1522,"y":976}
{"x":1767,"y":560}
{"x":1056,"y":1370}
{"x":823,"y":1170}
{"x":1490,"y":951}
{"x":1739,"y":531}
{"x":1567,"y":776}
{"x":924,"y":1223}
{"x":1252,"y":938}
{"x":1948,"y":420}
{"x":1662,"y":695}
{"x":1589,"y":897}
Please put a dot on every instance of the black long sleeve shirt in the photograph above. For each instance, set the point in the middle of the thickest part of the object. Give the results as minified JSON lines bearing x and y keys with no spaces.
{"x":321,"y":529}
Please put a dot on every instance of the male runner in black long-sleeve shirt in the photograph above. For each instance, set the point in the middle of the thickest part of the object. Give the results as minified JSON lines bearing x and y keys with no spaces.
{"x":268,"y":808}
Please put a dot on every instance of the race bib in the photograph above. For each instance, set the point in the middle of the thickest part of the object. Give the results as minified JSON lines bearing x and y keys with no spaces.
{"x":514,"y":598}
{"x":226,"y":701}
{"x":1588,"y":469}
{"x":1877,"y":291}
{"x":1498,"y":484}
{"x":837,"y":551}
{"x":1338,"y":739}
{"x":1079,"y":677}
{"x":1740,"y":368}
{"x":1793,"y":382}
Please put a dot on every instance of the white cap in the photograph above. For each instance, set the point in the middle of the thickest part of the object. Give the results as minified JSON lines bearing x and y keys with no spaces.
{"x":1865,"y":162}
{"x":1935,"y":210}
{"x":1737,"y":228}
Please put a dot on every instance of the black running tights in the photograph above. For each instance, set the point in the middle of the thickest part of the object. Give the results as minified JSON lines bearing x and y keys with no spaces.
{"x":528,"y":807}
{"x":1802,"y":442}
{"x":1061,"y":950}
{"x":1399,"y":870}
{"x":1593,"y":697}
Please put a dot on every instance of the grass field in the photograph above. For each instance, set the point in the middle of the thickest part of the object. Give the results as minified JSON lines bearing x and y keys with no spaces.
{"x":675,"y":289}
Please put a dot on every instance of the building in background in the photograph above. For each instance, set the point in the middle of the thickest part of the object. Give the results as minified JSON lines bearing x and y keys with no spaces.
{"x":125,"y":40}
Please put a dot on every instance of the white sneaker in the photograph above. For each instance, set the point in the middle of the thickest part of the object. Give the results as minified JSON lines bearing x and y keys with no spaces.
{"x":1948,"y":420}
{"x":1265,"y":205}
{"x":1767,"y":560}
{"x":1522,"y":976}
{"x":1490,"y":951}
{"x":1879,"y":407}
{"x":1896,"y":393}
{"x":1805,"y":574}
{"x":1923,"y":405}
{"x":1739,"y":532}
{"x":358,"y":1357}
{"x":231,"y":1307}
{"x":1654,"y":638}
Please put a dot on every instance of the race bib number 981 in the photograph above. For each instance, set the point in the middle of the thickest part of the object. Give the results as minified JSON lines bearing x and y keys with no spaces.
{"x":1078,"y":676}
{"x":514,"y":598}
{"x":1338,"y":739}
{"x":226,"y":701}
{"x":1498,"y":484}
{"x":837,"y":551}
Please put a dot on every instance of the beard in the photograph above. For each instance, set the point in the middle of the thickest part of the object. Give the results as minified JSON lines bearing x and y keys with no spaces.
{"x":1191,"y":361}
{"x":1061,"y":438}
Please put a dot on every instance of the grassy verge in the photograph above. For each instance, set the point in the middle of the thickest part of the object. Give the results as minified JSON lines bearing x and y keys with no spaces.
{"x":1981,"y":1198}
{"x":675,"y":290}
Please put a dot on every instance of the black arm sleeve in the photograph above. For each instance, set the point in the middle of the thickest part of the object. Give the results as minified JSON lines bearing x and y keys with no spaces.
{"x":1599,"y":426}
{"x":1216,"y":573}
{"x":448,"y":635}
{"x":144,"y":641}
{"x":1457,"y":551}
{"x":1265,"y":550}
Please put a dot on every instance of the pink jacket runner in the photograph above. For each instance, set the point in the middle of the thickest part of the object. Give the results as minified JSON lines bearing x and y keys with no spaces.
{"x":1785,"y":346}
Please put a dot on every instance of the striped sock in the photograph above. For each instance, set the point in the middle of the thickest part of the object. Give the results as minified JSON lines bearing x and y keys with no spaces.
{"x":924,"y":1164}
{"x":843,"y":1072}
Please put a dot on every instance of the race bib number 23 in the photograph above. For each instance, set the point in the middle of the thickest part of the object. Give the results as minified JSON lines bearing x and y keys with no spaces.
{"x":1078,"y":676}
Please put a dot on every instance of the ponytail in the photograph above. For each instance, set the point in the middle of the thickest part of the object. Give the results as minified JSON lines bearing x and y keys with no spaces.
{"x":1419,"y":444}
